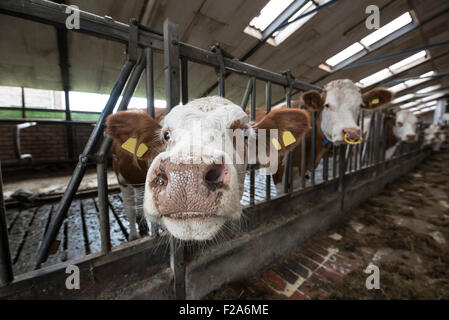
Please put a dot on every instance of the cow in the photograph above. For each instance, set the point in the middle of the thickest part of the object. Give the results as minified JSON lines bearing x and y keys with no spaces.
{"x":194,"y":193}
{"x":337,"y":108}
{"x":131,"y":171}
{"x":400,"y":127}
{"x":434,"y":136}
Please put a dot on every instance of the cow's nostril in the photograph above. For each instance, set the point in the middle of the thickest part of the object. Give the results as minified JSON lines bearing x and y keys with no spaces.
{"x":215,"y":175}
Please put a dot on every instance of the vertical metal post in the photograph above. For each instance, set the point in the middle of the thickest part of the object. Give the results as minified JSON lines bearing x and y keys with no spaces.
{"x":172,"y":86}
{"x":326,"y":166}
{"x":303,"y":161}
{"x":268,"y":103}
{"x":178,"y":267}
{"x":362,"y":129}
{"x":6,"y":272}
{"x":103,"y":203}
{"x":23,"y":103}
{"x":313,"y":155}
{"x":246,"y":94}
{"x":342,"y":167}
{"x":288,"y":172}
{"x":334,"y":162}
{"x":149,"y":77}
{"x":184,"y":80}
{"x":171,"y":63}
{"x":376,"y":151}
{"x":252,"y":112}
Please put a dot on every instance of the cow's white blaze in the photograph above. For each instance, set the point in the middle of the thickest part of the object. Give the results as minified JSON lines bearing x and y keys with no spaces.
{"x":405,"y":126}
{"x":342,"y":107}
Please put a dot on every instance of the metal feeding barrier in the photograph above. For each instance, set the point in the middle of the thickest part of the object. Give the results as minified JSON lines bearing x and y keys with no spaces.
{"x":194,"y":272}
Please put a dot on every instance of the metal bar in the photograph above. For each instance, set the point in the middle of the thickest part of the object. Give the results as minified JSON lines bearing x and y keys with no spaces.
{"x":23,"y":103}
{"x":268,"y":105}
{"x":313,"y":155}
{"x":171,"y":63}
{"x":184,"y":81}
{"x":334,"y":162}
{"x":247,"y":93}
{"x":55,"y":14}
{"x":206,"y":57}
{"x":376,"y":151}
{"x":178,"y":268}
{"x":326,"y":166}
{"x":288,"y":172}
{"x":6,"y":272}
{"x":103,"y":203}
{"x":252,"y":119}
{"x":149,"y":76}
{"x":303,"y":161}
{"x":364,"y":137}
{"x":81,"y":166}
{"x":342,"y":167}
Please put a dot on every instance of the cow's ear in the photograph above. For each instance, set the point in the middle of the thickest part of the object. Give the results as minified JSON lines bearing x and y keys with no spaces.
{"x":312,"y":100}
{"x":291,"y":124}
{"x":135,"y":132}
{"x":377,"y":97}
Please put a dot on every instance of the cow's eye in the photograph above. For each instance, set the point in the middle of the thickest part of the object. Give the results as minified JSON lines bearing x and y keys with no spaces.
{"x":245,"y":133}
{"x":327,"y":105}
{"x":167,"y":135}
{"x":400,"y":124}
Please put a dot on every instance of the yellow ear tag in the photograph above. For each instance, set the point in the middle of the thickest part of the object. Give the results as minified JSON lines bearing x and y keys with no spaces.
{"x":375,"y":101}
{"x":141,"y":150}
{"x":130,"y":145}
{"x":288,"y":138}
{"x":276,"y":143}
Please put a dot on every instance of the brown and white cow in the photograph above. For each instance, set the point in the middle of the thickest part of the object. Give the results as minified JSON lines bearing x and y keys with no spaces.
{"x":337,"y":108}
{"x":400,"y":127}
{"x":194,"y":183}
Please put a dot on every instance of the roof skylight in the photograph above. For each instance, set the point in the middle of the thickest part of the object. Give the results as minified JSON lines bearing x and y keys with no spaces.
{"x":396,"y":68}
{"x":394,"y":29}
{"x":271,"y":12}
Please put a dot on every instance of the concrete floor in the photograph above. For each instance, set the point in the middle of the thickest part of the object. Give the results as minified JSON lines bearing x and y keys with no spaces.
{"x":403,"y":231}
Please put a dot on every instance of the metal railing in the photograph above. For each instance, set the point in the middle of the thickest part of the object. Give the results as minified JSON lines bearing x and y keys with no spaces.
{"x":177,"y":55}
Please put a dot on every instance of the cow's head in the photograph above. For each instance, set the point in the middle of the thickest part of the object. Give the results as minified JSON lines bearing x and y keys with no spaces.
{"x":405,"y":126}
{"x":195,"y":184}
{"x":340,"y":103}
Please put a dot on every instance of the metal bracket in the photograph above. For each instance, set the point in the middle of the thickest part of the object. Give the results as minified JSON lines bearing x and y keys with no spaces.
{"x":219,"y":52}
{"x":133,"y":40}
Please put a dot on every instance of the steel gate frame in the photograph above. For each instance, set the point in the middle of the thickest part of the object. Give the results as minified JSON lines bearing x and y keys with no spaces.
{"x":368,"y":160}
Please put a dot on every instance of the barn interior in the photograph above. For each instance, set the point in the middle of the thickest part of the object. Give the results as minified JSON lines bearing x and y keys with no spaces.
{"x":55,"y":82}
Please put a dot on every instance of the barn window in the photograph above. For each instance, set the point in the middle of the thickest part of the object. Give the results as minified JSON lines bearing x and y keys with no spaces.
{"x":389,"y":32}
{"x":273,"y":10}
{"x":395,"y":68}
{"x":413,"y":82}
{"x":31,"y":103}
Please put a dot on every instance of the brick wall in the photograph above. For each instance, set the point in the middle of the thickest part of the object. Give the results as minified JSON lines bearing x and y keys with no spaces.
{"x":47,"y":142}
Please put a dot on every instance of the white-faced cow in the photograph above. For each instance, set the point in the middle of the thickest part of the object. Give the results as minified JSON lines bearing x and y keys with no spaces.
{"x":337,"y":108}
{"x":399,"y":128}
{"x":434,"y":136}
{"x":194,"y":193}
